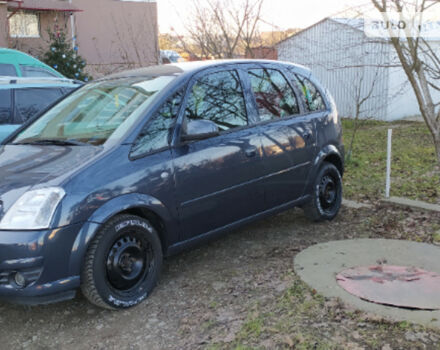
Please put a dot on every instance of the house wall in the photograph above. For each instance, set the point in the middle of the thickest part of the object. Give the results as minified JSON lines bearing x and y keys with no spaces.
{"x":345,"y":62}
{"x":37,"y":46}
{"x":115,"y":35}
{"x":3,"y":25}
{"x":401,"y":93}
{"x":404,"y":102}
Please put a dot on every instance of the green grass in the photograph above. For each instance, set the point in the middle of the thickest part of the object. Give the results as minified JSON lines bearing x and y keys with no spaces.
{"x":252,"y":326}
{"x":414,"y":174}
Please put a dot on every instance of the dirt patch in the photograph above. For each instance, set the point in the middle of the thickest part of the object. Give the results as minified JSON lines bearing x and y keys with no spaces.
{"x":239,"y":291}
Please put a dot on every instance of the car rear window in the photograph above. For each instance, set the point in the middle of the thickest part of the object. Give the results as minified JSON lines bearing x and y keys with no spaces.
{"x":273,"y":94}
{"x":5,"y":107}
{"x":8,"y":70}
{"x":35,"y":72}
{"x":29,"y":102}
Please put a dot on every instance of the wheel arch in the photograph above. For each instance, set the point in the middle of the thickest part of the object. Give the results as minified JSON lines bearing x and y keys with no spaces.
{"x":331,"y":154}
{"x":155,"y":220}
{"x":336,"y":160}
{"x":143,"y":206}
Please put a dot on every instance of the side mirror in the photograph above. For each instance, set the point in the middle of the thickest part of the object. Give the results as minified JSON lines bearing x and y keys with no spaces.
{"x":199,"y":130}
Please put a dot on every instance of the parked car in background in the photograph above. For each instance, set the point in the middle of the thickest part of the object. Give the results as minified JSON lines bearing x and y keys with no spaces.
{"x":170,"y":56}
{"x":145,"y":163}
{"x":23,"y":98}
{"x":15,"y":63}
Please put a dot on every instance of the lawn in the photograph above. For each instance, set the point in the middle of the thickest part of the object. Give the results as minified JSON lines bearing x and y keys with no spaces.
{"x":415,"y":173}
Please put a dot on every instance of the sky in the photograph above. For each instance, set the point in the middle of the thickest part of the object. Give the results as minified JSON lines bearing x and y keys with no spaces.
{"x":283,"y":13}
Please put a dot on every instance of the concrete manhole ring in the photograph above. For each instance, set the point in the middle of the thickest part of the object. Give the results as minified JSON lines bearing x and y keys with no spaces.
{"x":372,"y":271}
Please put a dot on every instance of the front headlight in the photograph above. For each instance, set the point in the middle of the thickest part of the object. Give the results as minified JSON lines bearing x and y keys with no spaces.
{"x":33,"y":210}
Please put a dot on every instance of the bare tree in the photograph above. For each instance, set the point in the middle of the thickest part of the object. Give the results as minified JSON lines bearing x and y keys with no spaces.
{"x":221,"y":28}
{"x":420,"y":61}
{"x":360,"y":97}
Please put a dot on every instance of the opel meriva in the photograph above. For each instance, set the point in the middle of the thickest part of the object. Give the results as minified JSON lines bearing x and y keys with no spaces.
{"x":142,"y":164}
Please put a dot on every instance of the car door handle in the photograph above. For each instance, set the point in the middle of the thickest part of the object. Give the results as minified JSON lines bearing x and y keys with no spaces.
{"x":251,"y":152}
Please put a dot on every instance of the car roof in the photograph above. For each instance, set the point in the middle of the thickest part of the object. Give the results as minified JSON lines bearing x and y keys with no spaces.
{"x":11,"y":56}
{"x":17,"y":82}
{"x":193,"y":67}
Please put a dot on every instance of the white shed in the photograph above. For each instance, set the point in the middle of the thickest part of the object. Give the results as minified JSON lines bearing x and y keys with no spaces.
{"x":354,"y":68}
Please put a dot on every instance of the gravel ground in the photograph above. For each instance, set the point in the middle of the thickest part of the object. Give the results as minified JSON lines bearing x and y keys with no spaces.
{"x":237,"y":292}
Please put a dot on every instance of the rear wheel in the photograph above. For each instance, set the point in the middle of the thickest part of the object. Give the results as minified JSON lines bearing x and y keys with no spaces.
{"x":122,"y":263}
{"x":327,"y":194}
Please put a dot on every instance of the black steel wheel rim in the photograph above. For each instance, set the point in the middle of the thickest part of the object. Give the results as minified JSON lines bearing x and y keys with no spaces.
{"x":328,"y":192}
{"x":128,"y":261}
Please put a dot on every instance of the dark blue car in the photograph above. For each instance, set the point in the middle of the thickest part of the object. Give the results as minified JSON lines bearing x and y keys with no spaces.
{"x":142,"y":164}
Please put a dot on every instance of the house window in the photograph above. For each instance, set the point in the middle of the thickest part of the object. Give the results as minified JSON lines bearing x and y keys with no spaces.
{"x":24,"y":25}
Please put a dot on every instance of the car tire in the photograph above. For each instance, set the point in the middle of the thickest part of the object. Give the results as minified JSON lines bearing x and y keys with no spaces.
{"x":122,"y":263}
{"x":326,"y":195}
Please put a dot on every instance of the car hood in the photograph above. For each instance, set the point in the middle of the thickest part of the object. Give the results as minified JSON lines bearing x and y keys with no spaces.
{"x":23,"y":167}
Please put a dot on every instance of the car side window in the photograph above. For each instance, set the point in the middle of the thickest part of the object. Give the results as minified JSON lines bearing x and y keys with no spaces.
{"x":218,"y":97}
{"x":8,"y":70}
{"x":155,"y":134}
{"x":310,"y":94}
{"x":5,"y":107}
{"x":274,"y":96}
{"x":35,"y":72}
{"x":31,"y":101}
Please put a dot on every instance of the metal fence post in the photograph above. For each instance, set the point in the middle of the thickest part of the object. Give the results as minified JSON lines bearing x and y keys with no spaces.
{"x":388,"y":181}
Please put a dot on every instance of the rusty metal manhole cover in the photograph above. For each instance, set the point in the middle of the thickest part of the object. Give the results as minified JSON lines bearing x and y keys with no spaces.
{"x":400,"y":286}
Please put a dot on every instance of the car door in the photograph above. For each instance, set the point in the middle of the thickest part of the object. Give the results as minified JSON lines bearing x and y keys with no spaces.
{"x":218,"y":179}
{"x":288,"y":138}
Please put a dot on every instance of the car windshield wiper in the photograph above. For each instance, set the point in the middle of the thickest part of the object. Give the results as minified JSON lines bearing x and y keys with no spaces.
{"x":57,"y":142}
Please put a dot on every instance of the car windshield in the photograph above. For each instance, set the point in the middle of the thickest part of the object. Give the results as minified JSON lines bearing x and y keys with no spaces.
{"x":94,"y":114}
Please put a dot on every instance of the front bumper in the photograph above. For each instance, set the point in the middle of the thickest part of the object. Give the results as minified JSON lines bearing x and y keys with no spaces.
{"x":43,"y":260}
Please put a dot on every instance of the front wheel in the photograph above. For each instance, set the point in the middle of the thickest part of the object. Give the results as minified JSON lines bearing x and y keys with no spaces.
{"x":327,"y":194}
{"x":122,"y":263}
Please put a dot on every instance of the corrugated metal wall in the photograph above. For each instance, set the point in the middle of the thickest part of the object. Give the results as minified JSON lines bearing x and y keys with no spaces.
{"x":346,"y":62}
